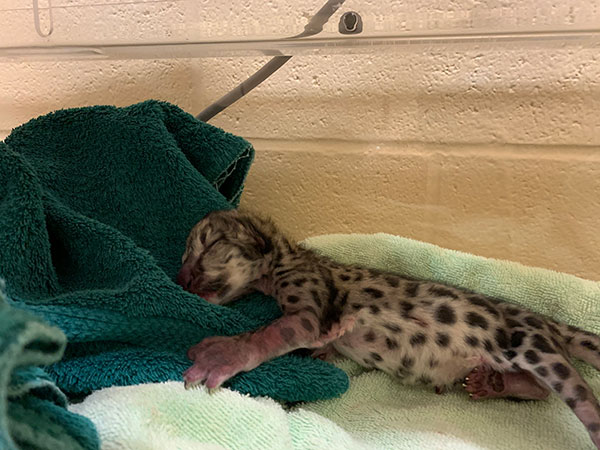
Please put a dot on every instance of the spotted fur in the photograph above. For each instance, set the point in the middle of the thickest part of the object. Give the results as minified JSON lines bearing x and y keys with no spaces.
{"x":417,"y":331}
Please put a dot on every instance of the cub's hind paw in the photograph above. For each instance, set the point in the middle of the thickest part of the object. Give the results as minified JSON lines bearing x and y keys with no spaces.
{"x":484,"y":383}
{"x":487,"y":383}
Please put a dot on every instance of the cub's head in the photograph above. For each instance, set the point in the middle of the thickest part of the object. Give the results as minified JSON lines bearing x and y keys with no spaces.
{"x":226,"y":254}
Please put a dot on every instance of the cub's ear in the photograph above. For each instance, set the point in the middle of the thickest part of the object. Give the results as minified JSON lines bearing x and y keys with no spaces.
{"x":261,"y":240}
{"x":265,"y":244}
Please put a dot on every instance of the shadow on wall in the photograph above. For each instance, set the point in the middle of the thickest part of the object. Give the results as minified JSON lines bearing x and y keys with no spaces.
{"x":521,"y":96}
{"x":518,"y":117}
{"x":32,"y":89}
{"x":503,"y":202}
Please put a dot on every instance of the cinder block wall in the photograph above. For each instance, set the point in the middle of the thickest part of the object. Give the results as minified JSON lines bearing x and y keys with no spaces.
{"x":490,"y":151}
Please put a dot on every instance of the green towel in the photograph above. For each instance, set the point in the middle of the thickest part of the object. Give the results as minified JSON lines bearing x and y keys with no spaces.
{"x":33,"y":411}
{"x":95,"y":207}
{"x":376,"y":412}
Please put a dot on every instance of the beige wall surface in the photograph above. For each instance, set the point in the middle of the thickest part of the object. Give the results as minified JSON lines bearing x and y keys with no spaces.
{"x":490,"y":151}
{"x":538,"y":205}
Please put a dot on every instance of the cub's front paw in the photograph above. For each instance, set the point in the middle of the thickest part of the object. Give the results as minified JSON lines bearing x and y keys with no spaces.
{"x":216,"y":359}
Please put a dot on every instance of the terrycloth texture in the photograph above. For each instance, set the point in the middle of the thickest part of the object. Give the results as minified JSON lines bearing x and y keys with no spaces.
{"x":95,"y":207}
{"x":33,"y":411}
{"x":167,"y":417}
{"x":376,"y":412}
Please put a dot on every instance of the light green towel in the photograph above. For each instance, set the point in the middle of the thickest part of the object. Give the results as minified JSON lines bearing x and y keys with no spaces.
{"x":376,"y":412}
{"x":165,"y":416}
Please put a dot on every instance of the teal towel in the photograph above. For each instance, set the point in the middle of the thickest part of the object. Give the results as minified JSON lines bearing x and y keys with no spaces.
{"x":95,"y":207}
{"x":376,"y":412}
{"x":33,"y":411}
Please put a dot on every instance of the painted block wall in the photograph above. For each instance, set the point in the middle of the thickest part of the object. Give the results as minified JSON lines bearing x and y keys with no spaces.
{"x":490,"y":151}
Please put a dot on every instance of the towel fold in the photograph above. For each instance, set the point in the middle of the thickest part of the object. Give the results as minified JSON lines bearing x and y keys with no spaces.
{"x":95,"y":207}
{"x":33,"y":411}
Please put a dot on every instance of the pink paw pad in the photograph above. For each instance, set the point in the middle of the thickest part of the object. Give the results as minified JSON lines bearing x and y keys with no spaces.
{"x":484,"y":383}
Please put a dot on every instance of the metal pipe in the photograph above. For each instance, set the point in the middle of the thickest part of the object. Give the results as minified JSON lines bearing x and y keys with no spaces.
{"x":314,"y":26}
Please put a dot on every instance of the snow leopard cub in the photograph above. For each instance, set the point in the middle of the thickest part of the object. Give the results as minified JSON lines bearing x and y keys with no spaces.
{"x":418,"y":331}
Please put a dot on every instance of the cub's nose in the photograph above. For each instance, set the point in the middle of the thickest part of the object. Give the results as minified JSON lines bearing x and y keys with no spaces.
{"x":184,"y":277}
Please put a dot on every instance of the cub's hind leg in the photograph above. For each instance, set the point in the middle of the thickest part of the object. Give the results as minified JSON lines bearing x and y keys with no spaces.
{"x":484,"y":382}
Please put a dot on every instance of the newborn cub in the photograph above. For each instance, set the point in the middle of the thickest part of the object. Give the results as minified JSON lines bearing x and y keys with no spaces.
{"x":418,"y":331}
